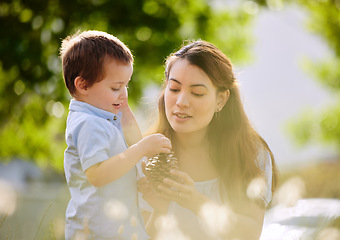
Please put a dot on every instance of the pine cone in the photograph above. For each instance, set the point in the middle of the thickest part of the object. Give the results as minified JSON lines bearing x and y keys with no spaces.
{"x":159,"y":166}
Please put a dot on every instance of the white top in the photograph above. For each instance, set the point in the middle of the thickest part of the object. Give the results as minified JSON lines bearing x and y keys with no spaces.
{"x":108,"y":212}
{"x":184,"y":224}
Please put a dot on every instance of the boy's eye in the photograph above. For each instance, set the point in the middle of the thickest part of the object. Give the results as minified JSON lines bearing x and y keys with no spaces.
{"x":198,"y":94}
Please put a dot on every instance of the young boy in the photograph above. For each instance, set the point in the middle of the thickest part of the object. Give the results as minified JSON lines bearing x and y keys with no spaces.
{"x":99,"y":166}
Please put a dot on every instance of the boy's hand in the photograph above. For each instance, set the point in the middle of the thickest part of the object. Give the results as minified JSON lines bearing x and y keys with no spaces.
{"x":154,"y":144}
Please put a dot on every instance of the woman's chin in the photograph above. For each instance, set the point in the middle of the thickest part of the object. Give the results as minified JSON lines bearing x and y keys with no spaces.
{"x":178,"y":128}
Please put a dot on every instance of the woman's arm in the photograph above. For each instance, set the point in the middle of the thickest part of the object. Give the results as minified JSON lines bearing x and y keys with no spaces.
{"x":156,"y":201}
{"x":221,"y":220}
{"x":247,"y":223}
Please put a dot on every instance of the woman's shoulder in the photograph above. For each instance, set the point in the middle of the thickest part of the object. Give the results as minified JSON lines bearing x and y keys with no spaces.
{"x":264,"y":159}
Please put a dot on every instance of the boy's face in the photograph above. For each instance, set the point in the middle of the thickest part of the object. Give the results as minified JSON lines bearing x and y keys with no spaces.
{"x":110,"y":93}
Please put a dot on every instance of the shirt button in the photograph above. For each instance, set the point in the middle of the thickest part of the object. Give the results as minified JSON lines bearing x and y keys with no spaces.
{"x":115,"y":118}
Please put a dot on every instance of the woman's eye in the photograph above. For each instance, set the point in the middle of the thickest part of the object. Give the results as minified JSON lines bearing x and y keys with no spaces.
{"x":115,"y":89}
{"x":174,"y":89}
{"x":198,"y":94}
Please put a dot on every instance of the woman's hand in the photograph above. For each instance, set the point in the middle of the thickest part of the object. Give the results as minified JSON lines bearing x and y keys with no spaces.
{"x":150,"y":194}
{"x":182,"y":191}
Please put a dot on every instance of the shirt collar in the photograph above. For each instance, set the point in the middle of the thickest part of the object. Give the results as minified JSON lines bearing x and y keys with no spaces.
{"x":79,"y":106}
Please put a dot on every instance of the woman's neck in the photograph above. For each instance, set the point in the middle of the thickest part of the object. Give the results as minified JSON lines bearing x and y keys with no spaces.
{"x":187,"y":141}
{"x":193,"y":154}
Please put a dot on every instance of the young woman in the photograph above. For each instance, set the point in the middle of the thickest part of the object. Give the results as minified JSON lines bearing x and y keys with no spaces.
{"x":227,"y":172}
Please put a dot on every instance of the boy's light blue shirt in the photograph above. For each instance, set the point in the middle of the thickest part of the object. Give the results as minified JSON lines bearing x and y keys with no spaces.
{"x":108,"y":212}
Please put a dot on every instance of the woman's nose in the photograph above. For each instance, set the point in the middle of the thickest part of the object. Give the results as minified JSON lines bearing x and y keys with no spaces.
{"x":182,"y":100}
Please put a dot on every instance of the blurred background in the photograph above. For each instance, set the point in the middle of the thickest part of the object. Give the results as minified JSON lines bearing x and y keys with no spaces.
{"x":286,"y":56}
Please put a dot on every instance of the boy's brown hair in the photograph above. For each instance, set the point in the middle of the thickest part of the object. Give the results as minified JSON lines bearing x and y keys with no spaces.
{"x":85,"y":53}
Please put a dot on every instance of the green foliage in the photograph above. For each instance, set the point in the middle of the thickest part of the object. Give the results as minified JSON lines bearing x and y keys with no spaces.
{"x":26,"y":137}
{"x":324,"y":20}
{"x":312,"y":126}
{"x":326,"y":72}
{"x":31,"y":85}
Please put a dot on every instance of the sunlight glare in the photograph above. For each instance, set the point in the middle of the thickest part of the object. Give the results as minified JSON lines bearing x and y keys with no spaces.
{"x":257,"y":188}
{"x":217,"y":218}
{"x":58,"y":109}
{"x":168,"y":229}
{"x":8,"y":199}
{"x":290,"y":192}
{"x":116,"y":209}
{"x":121,"y":229}
{"x":134,"y":236}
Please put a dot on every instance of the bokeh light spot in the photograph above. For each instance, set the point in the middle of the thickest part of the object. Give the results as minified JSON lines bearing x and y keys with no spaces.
{"x":257,"y":188}
{"x":116,"y":209}
{"x":57,"y":25}
{"x":150,"y":7}
{"x":45,"y":36}
{"x":143,"y":33}
{"x":290,"y":192}
{"x":37,"y":22}
{"x":168,"y":229}
{"x":58,"y":109}
{"x":217,"y":218}
{"x":26,"y":15}
{"x":134,"y":236}
{"x":250,"y":7}
{"x":19,"y":87}
{"x":8,"y":199}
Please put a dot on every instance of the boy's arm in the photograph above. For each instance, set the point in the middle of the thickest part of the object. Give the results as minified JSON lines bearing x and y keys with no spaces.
{"x":131,"y":130}
{"x":116,"y":166}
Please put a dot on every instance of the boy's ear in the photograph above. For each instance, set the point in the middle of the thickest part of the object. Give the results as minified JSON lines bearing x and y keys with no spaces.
{"x":222,"y":98}
{"x":81,"y":85}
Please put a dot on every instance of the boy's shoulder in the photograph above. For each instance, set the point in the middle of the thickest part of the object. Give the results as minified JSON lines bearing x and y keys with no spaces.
{"x":78,"y":121}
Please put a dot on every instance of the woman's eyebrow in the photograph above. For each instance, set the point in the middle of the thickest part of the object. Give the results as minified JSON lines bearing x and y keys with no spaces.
{"x":193,"y":85}
{"x":172,"y":79}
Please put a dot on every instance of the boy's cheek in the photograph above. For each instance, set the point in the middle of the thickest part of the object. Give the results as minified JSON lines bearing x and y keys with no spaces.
{"x":125,"y":102}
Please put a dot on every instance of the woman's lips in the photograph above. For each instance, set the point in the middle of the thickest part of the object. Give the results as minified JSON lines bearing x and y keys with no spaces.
{"x":182,"y":116}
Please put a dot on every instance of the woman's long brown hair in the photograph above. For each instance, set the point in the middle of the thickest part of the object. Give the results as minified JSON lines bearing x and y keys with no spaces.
{"x":234,"y":144}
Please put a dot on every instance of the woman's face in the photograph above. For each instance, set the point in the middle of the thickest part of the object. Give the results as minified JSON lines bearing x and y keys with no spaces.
{"x":190,"y":98}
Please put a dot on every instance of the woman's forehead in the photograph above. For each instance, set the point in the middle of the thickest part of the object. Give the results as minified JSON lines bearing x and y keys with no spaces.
{"x":183,"y":72}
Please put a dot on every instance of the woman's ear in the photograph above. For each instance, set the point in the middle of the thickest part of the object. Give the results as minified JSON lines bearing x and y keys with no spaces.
{"x":222,"y":98}
{"x":81,"y":85}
